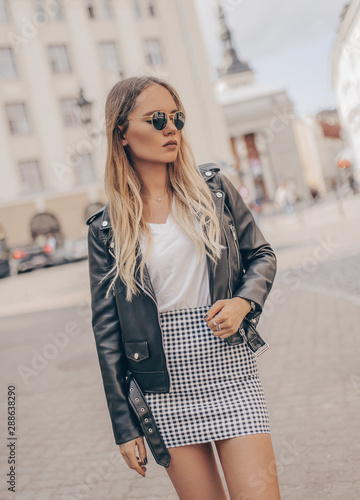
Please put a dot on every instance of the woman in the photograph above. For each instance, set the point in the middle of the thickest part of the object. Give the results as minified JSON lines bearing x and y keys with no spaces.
{"x":176,"y":263}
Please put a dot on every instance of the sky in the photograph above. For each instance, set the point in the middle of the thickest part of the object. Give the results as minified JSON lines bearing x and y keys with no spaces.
{"x":288,"y":44}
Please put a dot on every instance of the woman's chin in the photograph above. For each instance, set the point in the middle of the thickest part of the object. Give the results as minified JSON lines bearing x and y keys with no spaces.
{"x":171,"y":156}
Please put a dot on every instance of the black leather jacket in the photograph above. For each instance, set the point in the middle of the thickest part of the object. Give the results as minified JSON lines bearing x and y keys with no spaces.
{"x":128,"y":334}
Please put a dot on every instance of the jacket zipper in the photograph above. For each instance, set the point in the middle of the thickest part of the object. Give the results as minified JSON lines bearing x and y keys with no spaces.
{"x":157,"y":309}
{"x":162,"y":336}
{"x":229,"y":261}
{"x":232,"y":228}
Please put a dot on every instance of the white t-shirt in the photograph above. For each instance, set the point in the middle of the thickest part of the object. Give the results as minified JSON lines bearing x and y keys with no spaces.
{"x":178,"y":282}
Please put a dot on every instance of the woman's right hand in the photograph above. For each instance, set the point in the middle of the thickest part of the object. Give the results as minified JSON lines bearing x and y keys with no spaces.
{"x":128,"y":452}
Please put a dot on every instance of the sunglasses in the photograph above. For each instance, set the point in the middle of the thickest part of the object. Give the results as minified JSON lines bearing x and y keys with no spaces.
{"x":159,"y":119}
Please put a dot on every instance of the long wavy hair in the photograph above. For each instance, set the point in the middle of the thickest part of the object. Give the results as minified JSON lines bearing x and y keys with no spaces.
{"x":194,"y":209}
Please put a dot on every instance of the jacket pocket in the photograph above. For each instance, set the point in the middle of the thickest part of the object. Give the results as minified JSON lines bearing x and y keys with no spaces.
{"x":137,"y":351}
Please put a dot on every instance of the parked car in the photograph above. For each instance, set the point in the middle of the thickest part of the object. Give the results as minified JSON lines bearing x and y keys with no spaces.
{"x":75,"y":250}
{"x":4,"y":254}
{"x":4,"y":259}
{"x":37,"y":255}
{"x":29,"y":257}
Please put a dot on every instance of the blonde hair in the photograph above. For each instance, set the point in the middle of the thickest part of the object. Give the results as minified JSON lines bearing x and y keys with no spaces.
{"x":123,"y":187}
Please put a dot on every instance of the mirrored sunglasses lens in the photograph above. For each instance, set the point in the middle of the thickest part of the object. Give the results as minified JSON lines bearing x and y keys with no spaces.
{"x":159,"y":120}
{"x":179,"y":120}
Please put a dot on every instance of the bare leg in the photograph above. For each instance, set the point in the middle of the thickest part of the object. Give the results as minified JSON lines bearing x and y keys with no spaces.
{"x":194,"y":473}
{"x":249,"y":467}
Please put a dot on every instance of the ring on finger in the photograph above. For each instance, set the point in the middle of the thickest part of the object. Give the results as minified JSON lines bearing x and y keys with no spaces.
{"x":218,"y":327}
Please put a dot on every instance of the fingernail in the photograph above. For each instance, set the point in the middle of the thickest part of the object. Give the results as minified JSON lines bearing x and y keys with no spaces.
{"x":145,"y":460}
{"x":206,"y":317}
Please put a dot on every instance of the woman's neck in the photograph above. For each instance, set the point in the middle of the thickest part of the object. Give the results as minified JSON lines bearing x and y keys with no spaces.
{"x":154,"y":178}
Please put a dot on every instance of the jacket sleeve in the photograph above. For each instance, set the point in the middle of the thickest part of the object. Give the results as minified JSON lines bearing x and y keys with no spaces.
{"x":107,"y":331}
{"x":258,"y":257}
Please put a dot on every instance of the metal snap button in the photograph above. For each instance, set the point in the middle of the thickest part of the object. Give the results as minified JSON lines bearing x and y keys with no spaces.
{"x":219,"y":195}
{"x":137,"y":400}
{"x":142,"y":409}
{"x":104,"y":223}
{"x":131,"y":389}
{"x":136,"y":355}
{"x":150,"y":429}
{"x":208,"y":173}
{"x":146,"y":419}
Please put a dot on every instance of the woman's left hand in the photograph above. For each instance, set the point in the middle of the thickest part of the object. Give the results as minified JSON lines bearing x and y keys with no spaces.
{"x":229,"y":314}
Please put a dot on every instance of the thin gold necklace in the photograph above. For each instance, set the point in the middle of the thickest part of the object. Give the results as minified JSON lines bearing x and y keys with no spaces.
{"x":157,"y":199}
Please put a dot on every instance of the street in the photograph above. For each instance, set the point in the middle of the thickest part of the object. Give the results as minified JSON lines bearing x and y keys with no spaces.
{"x":65,"y":448}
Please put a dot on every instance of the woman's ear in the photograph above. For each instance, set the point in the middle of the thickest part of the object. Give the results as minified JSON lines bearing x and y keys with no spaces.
{"x":122,"y":136}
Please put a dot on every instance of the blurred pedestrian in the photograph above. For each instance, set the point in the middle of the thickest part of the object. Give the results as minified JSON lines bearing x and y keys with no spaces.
{"x":290,"y":197}
{"x":256,"y":210}
{"x":314,"y":193}
{"x":353,"y":184}
{"x":165,"y":318}
{"x":280,"y":196}
{"x":285,"y":197}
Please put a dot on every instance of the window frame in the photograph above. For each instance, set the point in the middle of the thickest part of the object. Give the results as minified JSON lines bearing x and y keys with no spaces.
{"x":5,"y":9}
{"x":23,"y":180}
{"x":13,"y":65}
{"x":147,"y":42}
{"x":51,"y":49}
{"x":14,"y":129}
{"x":101,"y":45}
{"x":89,"y":166}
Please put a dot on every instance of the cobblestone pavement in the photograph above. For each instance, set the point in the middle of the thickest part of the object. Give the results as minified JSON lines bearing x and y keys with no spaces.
{"x":310,"y":374}
{"x":340,"y":275}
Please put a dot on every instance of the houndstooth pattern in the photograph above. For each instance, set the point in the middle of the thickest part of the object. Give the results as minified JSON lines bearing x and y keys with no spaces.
{"x":216,"y":392}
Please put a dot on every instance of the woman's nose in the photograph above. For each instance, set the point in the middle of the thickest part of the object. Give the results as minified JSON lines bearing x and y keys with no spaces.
{"x":170,"y":127}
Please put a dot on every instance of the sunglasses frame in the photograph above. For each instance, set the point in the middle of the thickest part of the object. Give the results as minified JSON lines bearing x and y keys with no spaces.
{"x":171,"y":116}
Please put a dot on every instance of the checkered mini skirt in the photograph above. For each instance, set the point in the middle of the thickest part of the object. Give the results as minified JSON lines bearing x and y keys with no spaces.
{"x":215,"y":392}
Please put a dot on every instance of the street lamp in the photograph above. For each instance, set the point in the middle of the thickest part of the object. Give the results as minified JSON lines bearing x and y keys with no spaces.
{"x":85,"y":108}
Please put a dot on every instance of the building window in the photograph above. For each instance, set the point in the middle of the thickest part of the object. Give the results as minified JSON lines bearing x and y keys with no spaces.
{"x":4,"y":12}
{"x":109,"y":56}
{"x":90,"y":8}
{"x":7,"y":63}
{"x":53,"y":10}
{"x":107,"y":9}
{"x":59,"y":59}
{"x":70,"y":112}
{"x":84,"y":171}
{"x":136,"y":7}
{"x":39,"y":11}
{"x":56,"y":10}
{"x":17,"y":118}
{"x":30,"y":177}
{"x":153,"y":52}
{"x":151,"y":8}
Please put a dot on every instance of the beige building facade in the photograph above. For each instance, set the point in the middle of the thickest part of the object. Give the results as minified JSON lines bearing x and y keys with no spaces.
{"x":260,"y":123}
{"x":345,"y":80}
{"x":320,"y":144}
{"x":51,"y":162}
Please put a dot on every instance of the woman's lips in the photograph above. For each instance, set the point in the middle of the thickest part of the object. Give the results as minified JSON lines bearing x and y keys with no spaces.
{"x":172,"y":145}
